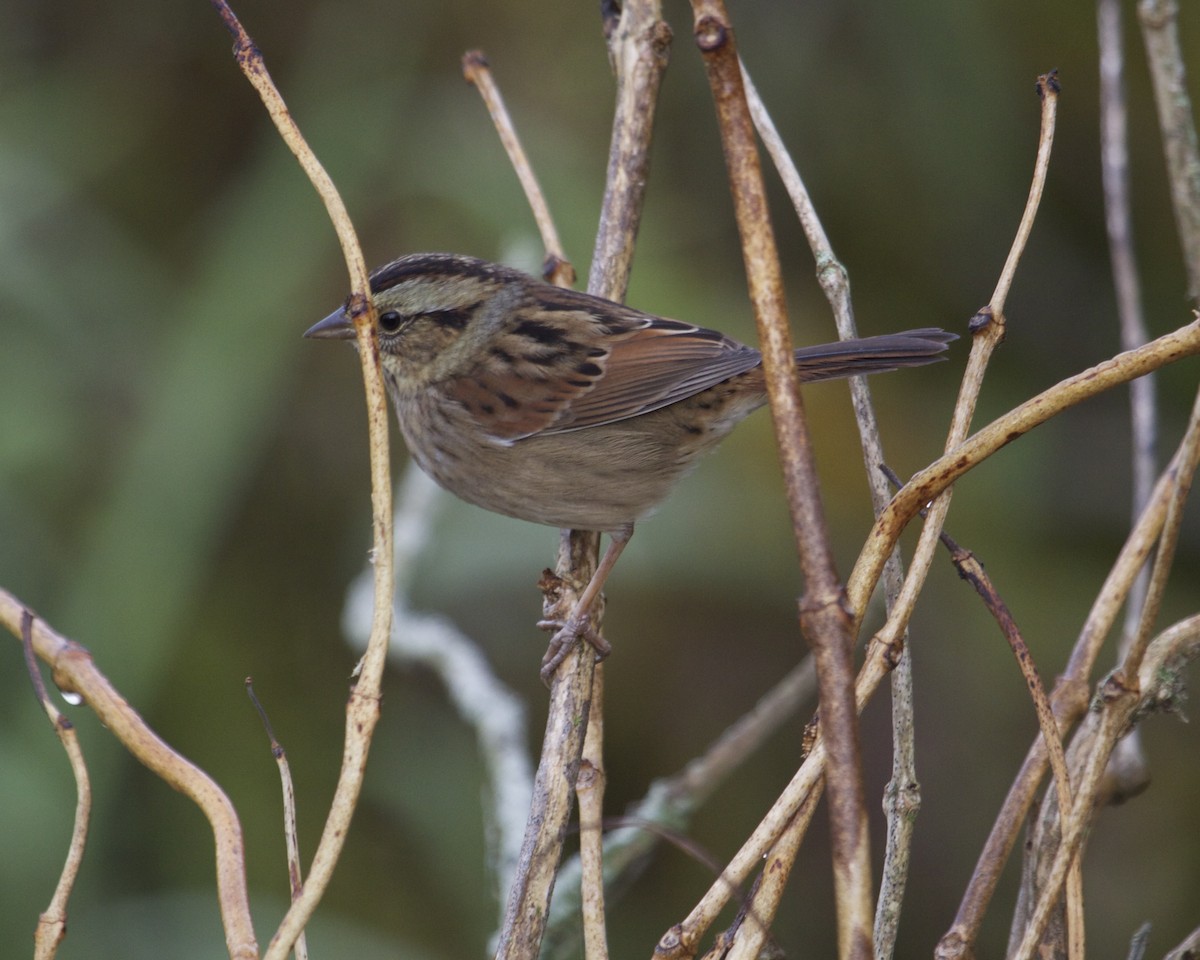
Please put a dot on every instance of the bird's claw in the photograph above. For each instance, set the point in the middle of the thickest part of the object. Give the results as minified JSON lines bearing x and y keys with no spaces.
{"x":565,"y":636}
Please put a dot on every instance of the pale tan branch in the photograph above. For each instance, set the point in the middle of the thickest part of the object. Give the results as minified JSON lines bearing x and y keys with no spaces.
{"x":75,"y":671}
{"x":52,"y":923}
{"x":362,"y":711}
{"x":556,"y":267}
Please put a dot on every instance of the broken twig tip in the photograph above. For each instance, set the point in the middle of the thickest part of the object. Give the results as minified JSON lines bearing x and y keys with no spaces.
{"x":1048,"y":83}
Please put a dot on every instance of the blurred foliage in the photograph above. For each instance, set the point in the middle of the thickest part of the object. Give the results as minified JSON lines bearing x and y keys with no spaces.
{"x":183,"y":480}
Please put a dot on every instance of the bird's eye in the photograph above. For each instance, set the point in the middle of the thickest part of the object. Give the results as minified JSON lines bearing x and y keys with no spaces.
{"x":390,"y":321}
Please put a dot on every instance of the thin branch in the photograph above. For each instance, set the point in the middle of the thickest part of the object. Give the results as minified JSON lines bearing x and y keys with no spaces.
{"x":750,"y":936}
{"x":1069,"y":702}
{"x":1119,"y":707}
{"x":1160,"y":31}
{"x":902,"y":796}
{"x":362,"y":711}
{"x":1048,"y":90}
{"x":1130,"y":765}
{"x":491,"y":709}
{"x":556,"y":268}
{"x":1141,"y":936}
{"x":988,"y":327}
{"x":971,"y":570}
{"x":939,"y":475}
{"x":290,"y":833}
{"x":52,"y":922}
{"x":75,"y":671}
{"x":916,"y":493}
{"x":589,"y":791}
{"x":638,"y":45}
{"x":671,"y":802}
{"x":825,"y":620}
{"x":1182,"y":472}
{"x":1118,"y":218}
{"x":1121,"y":695}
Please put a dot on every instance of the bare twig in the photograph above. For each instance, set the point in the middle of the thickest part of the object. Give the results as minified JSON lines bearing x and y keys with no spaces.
{"x":916,"y":493}
{"x":493,"y":711}
{"x":1130,"y":766}
{"x":1121,"y":693}
{"x":902,"y":796}
{"x":75,"y":671}
{"x":1069,"y":702}
{"x":971,"y":570}
{"x":671,"y":802}
{"x":935,"y":478}
{"x":1160,"y":31}
{"x":362,"y":711}
{"x":1120,"y":706}
{"x":290,"y":833}
{"x":589,"y":792}
{"x":1181,"y":471}
{"x":52,"y":923}
{"x":825,"y":620}
{"x":988,"y":327}
{"x":550,"y":808}
{"x":1141,"y":936}
{"x":1118,"y":216}
{"x":638,"y":45}
{"x":750,"y":936}
{"x":556,"y":268}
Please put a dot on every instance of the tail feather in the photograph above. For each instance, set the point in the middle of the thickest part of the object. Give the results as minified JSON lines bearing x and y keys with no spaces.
{"x":850,"y":358}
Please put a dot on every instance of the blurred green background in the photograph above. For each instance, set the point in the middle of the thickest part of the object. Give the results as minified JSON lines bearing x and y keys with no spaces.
{"x":183,"y":479}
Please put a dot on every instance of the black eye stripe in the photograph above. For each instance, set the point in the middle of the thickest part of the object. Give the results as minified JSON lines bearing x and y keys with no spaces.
{"x":391,"y":321}
{"x":456,"y":319}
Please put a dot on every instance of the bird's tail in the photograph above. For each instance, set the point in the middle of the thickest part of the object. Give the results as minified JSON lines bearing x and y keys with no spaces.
{"x":849,"y":358}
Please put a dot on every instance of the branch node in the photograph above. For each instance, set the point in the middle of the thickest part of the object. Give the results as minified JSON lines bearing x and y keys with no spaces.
{"x":711,"y":33}
{"x":981,"y":321}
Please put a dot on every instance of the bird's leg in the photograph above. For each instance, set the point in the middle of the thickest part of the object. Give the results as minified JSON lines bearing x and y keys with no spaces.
{"x":578,"y":625}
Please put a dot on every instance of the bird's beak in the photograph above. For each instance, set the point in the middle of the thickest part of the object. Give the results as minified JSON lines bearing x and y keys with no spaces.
{"x":336,"y":326}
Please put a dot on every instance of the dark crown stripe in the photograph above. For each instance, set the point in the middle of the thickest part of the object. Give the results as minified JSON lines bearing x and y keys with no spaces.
{"x":434,"y":264}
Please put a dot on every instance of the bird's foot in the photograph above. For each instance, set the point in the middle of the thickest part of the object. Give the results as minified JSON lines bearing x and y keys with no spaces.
{"x":575,"y":628}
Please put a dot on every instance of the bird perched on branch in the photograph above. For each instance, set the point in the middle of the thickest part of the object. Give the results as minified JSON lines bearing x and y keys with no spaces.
{"x":566,"y":409}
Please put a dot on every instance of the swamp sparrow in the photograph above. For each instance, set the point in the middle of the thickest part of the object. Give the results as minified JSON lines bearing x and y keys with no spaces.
{"x":558,"y":407}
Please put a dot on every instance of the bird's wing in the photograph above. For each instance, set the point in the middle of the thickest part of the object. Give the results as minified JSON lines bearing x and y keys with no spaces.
{"x":565,"y":366}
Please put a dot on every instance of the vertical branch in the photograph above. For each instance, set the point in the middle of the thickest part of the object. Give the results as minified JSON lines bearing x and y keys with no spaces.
{"x":362,"y":711}
{"x":1118,"y":218}
{"x":638,"y":44}
{"x":589,"y":791}
{"x":1160,"y":30}
{"x":902,"y":796}
{"x":1130,"y":766}
{"x":291,"y":835}
{"x":825,"y":619}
